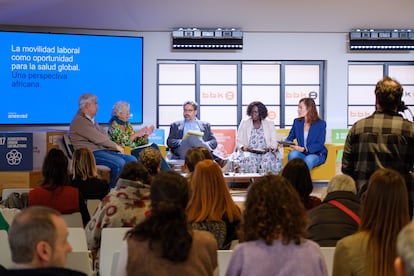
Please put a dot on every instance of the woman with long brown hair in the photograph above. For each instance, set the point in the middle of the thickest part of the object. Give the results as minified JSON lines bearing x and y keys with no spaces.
{"x":211,"y":207}
{"x":309,"y":130}
{"x":372,"y":250}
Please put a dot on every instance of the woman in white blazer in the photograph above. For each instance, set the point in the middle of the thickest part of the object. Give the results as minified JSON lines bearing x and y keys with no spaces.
{"x":257,"y":146}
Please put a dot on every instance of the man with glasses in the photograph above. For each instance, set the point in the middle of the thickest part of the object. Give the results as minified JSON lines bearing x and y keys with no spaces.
{"x":190,"y":133}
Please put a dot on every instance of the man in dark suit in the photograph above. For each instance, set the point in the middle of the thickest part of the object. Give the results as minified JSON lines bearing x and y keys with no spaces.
{"x":179,"y":143}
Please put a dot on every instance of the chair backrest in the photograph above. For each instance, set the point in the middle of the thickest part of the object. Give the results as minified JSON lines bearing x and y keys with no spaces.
{"x":223,"y":257}
{"x":111,"y":240}
{"x":80,"y":261}
{"x":5,"y":254}
{"x":328,"y":253}
{"x":73,"y":220}
{"x":92,"y":204}
{"x":77,"y":238}
{"x":115,"y":259}
{"x":8,"y":191}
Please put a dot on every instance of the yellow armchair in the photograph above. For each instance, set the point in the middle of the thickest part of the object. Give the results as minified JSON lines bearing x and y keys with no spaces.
{"x":327,"y":170}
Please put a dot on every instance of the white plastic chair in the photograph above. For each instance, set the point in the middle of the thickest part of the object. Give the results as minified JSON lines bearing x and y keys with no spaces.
{"x":6,"y":192}
{"x":77,"y":238}
{"x":80,"y":261}
{"x":111,"y":240}
{"x":5,"y":254}
{"x":73,"y":220}
{"x":115,"y":259}
{"x":328,"y":253}
{"x":223,"y":257}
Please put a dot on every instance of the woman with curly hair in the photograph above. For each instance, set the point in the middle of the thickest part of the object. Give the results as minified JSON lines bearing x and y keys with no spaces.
{"x":272,"y":234}
{"x":211,"y":207}
{"x":151,"y":159}
{"x":163,"y":244}
{"x":256,"y":141}
{"x":372,"y":250}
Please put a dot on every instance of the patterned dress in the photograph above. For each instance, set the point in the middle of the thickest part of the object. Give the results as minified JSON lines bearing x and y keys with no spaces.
{"x":253,"y":162}
{"x":121,"y":134}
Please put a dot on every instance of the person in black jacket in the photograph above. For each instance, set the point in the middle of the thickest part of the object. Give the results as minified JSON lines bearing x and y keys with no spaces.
{"x":329,"y":223}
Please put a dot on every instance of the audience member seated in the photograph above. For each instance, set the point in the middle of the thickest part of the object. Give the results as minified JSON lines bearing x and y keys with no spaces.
{"x":151,"y":159}
{"x":192,"y":157}
{"x":85,"y":175}
{"x":272,"y":234}
{"x":211,"y":207}
{"x":256,"y":141}
{"x":309,"y":130}
{"x":85,"y":132}
{"x":122,"y":132}
{"x":372,"y":250}
{"x":163,"y":244}
{"x":206,"y":152}
{"x":124,"y":206}
{"x":297,"y":172}
{"x":404,"y":263}
{"x":331,"y":221}
{"x":38,"y":244}
{"x":55,"y":191}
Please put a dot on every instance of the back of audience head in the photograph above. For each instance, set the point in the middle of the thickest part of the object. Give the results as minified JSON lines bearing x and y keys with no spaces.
{"x":210,"y":197}
{"x":38,"y":238}
{"x":167,"y":222}
{"x":55,"y":169}
{"x":297,"y":173}
{"x":384,"y":214}
{"x":135,"y":171}
{"x":84,"y":164}
{"x":404,"y":263}
{"x":151,"y":159}
{"x":342,"y":182}
{"x":206,"y":152}
{"x":388,"y":93}
{"x":273,"y":210}
{"x":192,"y":157}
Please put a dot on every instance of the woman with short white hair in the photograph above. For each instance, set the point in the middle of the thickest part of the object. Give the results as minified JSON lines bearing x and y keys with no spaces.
{"x":122,"y":132}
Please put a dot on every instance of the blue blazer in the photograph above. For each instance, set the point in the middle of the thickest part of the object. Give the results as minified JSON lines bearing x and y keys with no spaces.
{"x":315,"y":143}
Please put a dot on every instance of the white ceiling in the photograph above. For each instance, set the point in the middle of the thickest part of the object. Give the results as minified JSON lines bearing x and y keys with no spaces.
{"x":249,"y":15}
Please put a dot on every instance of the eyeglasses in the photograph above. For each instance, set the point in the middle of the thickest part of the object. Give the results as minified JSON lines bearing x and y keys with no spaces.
{"x":188,"y":110}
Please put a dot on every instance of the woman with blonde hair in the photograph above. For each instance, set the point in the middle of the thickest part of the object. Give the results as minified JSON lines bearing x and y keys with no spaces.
{"x":372,"y":250}
{"x":85,"y":175}
{"x":211,"y":207}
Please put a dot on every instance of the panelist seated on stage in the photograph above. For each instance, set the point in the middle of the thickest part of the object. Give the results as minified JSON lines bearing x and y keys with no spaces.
{"x":85,"y":132}
{"x":189,"y":133}
{"x":122,"y":132}
{"x":309,"y":130}
{"x":256,"y":141}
